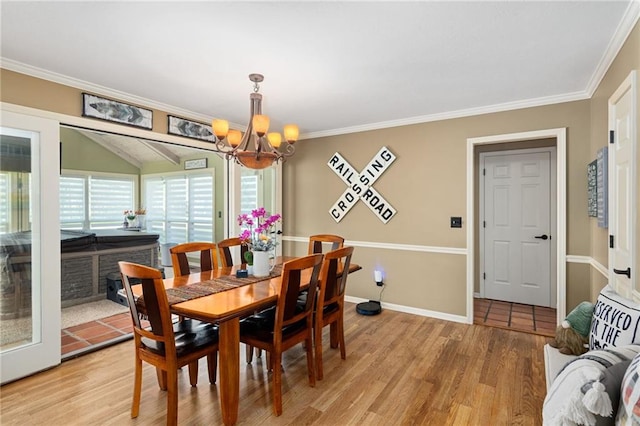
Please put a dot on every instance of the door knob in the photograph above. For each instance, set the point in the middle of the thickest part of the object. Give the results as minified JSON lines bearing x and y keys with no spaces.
{"x":542,"y":237}
{"x":626,"y":272}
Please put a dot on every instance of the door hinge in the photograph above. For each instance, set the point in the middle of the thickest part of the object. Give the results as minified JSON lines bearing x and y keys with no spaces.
{"x":484,"y":223}
{"x":484,"y":275}
{"x":612,"y":136}
{"x":610,"y":241}
{"x":484,"y":172}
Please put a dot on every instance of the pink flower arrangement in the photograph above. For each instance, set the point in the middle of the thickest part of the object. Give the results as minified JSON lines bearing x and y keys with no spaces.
{"x":258,"y":227}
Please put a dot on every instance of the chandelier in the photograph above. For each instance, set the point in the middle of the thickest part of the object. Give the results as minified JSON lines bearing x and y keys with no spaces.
{"x":255,"y":149}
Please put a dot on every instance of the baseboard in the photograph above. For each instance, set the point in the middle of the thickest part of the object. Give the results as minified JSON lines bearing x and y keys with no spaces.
{"x":414,"y":311}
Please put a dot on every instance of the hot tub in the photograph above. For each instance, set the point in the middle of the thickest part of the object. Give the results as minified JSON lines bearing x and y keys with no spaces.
{"x":86,"y":260}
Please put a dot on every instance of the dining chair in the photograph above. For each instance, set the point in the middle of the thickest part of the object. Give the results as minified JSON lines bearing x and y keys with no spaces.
{"x":226,"y":259}
{"x":317,"y":245}
{"x":317,"y":242}
{"x":277,"y":330}
{"x":165,"y":345}
{"x":207,"y":253}
{"x":224,"y":248}
{"x":329,"y":309}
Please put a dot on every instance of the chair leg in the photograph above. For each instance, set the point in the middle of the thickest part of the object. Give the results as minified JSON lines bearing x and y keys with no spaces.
{"x":333,"y":334}
{"x":311,"y":367}
{"x":172,"y":397}
{"x":212,"y":364}
{"x":249,"y":353}
{"x":193,"y":373}
{"x":277,"y":382}
{"x":137,"y":388}
{"x":162,"y":379}
{"x":317,"y":339}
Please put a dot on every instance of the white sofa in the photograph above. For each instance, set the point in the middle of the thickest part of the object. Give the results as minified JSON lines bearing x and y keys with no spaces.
{"x":553,"y":362}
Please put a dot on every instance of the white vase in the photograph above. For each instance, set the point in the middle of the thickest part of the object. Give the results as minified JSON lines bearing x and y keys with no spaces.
{"x":262,"y":263}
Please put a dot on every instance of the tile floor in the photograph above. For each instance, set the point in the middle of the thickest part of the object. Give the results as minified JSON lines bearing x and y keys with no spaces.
{"x":95,"y":334}
{"x":515,"y":316}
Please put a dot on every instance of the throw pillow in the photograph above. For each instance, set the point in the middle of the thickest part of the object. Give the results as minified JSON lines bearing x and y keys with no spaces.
{"x":612,"y":378}
{"x":578,"y":394}
{"x":616,"y":321}
{"x":629,"y":409}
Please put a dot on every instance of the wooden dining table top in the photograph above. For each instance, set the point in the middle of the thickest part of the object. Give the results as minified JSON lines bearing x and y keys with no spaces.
{"x":232,"y":302}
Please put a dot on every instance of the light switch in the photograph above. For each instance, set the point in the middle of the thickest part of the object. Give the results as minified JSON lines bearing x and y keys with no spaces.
{"x":456,"y":222}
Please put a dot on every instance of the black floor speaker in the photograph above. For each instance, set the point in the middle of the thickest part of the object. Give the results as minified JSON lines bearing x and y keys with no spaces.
{"x":369,"y":308}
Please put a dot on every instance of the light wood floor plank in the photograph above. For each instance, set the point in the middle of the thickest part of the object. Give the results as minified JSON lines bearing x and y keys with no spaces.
{"x":401,"y":369}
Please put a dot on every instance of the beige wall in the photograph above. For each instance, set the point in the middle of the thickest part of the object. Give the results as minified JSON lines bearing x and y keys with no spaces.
{"x":426,"y":185}
{"x":628,"y":59}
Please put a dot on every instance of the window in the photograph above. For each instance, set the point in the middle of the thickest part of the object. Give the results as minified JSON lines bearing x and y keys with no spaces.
{"x":4,"y":203}
{"x":95,"y":201}
{"x":180,"y":206}
{"x":248,"y":192}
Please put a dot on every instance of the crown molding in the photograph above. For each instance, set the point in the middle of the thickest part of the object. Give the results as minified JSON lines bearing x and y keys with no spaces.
{"x":507,"y":106}
{"x":11,"y":65}
{"x":628,"y":21}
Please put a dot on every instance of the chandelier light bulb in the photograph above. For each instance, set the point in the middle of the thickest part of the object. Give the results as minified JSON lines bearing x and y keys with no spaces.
{"x":260,"y":124}
{"x":275,"y":139}
{"x":220,"y":128}
{"x":291,"y":133}
{"x":234,"y":137}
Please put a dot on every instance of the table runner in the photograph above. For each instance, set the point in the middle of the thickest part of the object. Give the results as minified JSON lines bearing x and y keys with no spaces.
{"x":216,"y":285}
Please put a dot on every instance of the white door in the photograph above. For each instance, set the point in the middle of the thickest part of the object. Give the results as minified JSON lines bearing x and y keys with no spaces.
{"x":30,"y":237}
{"x":516,"y":227}
{"x":622,"y":204}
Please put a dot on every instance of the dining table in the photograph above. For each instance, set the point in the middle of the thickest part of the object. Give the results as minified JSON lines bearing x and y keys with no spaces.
{"x":226,"y":307}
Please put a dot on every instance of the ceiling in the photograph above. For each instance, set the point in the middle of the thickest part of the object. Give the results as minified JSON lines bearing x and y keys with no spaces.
{"x":331,"y":67}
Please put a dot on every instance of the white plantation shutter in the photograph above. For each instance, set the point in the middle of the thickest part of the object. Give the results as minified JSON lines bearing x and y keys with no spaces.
{"x":109,"y":197}
{"x":4,"y":203}
{"x":180,"y":206}
{"x":73,"y":202}
{"x":95,"y":201}
{"x":248,"y":193}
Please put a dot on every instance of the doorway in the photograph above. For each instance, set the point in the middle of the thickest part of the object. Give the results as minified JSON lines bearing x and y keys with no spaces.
{"x":525,"y":140}
{"x":622,"y":204}
{"x":516,"y":217}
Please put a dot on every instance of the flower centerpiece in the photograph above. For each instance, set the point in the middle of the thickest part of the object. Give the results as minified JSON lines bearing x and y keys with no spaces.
{"x":130,"y":217}
{"x":135,"y":218}
{"x":257,"y":235}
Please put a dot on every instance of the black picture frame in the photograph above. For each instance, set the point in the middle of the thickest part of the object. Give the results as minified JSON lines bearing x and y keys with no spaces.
{"x":118,"y":112}
{"x":189,"y":129}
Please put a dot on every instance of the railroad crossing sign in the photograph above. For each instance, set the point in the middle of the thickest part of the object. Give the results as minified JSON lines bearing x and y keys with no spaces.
{"x":360,"y":185}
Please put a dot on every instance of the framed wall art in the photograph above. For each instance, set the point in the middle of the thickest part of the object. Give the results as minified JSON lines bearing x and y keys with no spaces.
{"x":603,"y":184}
{"x":198,"y":163}
{"x":118,"y":112}
{"x":592,"y":188}
{"x":190,"y":129}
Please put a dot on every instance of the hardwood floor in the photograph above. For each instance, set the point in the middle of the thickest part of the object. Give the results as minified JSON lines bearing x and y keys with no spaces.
{"x":400,"y":369}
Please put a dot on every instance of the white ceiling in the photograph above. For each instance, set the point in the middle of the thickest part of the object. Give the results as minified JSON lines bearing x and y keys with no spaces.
{"x":330,"y":67}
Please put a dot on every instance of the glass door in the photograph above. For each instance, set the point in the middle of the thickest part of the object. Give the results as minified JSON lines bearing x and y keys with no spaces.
{"x":251,"y":189}
{"x":29,"y":245}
